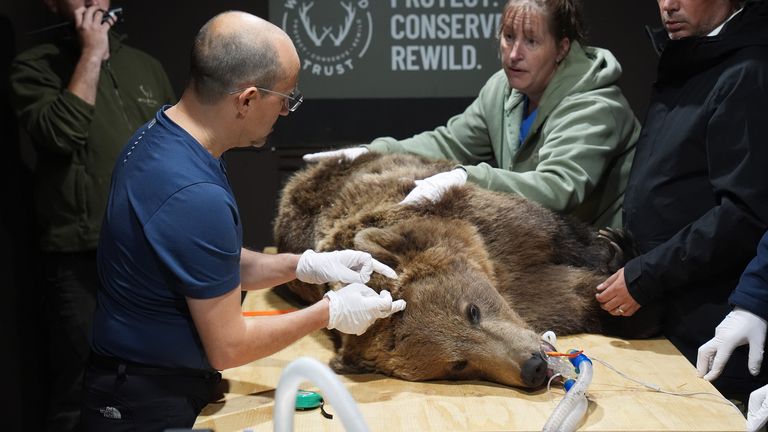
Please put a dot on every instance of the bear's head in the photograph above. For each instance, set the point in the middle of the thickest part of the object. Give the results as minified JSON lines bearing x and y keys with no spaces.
{"x":456,"y":325}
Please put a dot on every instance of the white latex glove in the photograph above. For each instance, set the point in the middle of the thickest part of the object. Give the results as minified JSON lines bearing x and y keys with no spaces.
{"x":738,"y":328}
{"x":434,"y":187}
{"x":346,"y":266}
{"x":349,"y":154}
{"x":355,"y":307}
{"x":757,"y":415}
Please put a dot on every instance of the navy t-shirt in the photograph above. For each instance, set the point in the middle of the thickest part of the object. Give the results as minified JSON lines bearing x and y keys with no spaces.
{"x":171,"y":230}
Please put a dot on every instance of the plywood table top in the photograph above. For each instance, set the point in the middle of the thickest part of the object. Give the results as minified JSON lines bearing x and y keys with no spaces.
{"x":387,"y":404}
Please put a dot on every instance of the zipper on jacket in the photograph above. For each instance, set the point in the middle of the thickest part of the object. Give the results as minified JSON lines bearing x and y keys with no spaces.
{"x":108,"y":67}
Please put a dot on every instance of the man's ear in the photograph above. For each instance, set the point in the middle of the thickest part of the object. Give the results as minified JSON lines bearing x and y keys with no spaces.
{"x":245,"y":99}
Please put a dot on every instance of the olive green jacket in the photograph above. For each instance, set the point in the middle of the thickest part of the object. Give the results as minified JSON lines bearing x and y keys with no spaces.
{"x":77,"y":143}
{"x":578,"y":152}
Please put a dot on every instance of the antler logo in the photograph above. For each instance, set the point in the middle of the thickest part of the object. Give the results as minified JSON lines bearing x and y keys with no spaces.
{"x":330,"y":38}
{"x":148,"y":97}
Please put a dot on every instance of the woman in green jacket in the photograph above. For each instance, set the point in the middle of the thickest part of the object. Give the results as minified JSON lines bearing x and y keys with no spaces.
{"x":551,"y":126}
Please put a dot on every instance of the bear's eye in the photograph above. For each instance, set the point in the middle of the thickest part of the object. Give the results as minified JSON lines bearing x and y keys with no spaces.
{"x":473,"y":313}
{"x":459,"y":365}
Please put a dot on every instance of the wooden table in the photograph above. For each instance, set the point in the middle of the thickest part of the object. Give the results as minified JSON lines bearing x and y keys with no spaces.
{"x":615,"y":403}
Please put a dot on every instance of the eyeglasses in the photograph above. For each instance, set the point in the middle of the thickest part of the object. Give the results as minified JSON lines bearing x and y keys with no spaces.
{"x":291,"y":101}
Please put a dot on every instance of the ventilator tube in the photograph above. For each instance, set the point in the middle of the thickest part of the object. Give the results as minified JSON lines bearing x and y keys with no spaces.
{"x":569,"y":412}
{"x":308,"y":369}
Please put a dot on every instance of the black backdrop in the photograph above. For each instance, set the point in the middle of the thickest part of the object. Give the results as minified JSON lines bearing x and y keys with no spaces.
{"x":165,"y":29}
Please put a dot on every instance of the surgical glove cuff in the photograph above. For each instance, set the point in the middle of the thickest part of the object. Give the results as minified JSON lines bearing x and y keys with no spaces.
{"x":333,"y":309}
{"x":306,"y":270}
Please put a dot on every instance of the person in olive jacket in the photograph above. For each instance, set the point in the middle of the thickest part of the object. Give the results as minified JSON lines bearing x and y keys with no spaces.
{"x":79,"y":98}
{"x":551,"y":126}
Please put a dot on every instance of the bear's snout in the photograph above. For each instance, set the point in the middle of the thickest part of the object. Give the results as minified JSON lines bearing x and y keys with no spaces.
{"x":534,"y":371}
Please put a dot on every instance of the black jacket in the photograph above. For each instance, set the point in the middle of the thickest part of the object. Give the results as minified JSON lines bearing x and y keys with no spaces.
{"x":697,"y":198}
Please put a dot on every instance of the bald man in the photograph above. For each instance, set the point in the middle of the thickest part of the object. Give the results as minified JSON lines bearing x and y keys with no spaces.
{"x":170,"y":258}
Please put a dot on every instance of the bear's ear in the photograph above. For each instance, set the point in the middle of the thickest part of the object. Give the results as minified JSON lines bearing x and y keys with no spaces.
{"x":380,"y":243}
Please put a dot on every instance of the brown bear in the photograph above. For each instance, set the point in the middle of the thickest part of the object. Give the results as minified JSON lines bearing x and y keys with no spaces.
{"x":483,"y":273}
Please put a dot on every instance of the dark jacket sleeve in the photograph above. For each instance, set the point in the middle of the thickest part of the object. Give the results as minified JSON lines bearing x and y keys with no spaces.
{"x":56,"y":119}
{"x":752,"y":292}
{"x":722,"y":240}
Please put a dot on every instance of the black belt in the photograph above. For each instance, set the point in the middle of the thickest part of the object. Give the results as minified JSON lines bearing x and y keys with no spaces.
{"x":123,"y":367}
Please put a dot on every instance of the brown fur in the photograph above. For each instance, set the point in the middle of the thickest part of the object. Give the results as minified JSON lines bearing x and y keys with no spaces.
{"x":483,"y":273}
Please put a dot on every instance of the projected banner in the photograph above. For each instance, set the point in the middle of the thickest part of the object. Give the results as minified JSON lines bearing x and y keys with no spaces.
{"x":391,"y":48}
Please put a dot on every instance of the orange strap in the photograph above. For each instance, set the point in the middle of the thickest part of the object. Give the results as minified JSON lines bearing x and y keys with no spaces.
{"x":559,"y":354}
{"x":267,"y":312}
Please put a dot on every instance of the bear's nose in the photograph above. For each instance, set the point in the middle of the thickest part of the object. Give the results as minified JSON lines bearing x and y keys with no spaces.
{"x":534,"y":371}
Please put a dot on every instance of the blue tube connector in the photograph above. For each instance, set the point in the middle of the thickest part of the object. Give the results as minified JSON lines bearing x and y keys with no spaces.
{"x":569,"y":412}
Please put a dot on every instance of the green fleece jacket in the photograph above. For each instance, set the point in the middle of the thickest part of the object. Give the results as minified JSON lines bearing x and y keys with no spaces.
{"x":578,"y":152}
{"x":77,"y":143}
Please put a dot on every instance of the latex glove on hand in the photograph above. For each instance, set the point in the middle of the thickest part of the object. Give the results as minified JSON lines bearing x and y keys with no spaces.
{"x":349,"y":154}
{"x":346,"y":266}
{"x":432,"y":188}
{"x":738,"y":328}
{"x":757,"y":414}
{"x":355,"y":307}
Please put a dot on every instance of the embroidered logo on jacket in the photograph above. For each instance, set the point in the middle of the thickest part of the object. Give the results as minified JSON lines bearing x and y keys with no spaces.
{"x":148,"y":98}
{"x":110,"y":412}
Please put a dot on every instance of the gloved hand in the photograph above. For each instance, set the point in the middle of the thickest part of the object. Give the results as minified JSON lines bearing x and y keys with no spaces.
{"x":738,"y":328}
{"x":355,"y":307}
{"x":348,"y":153}
{"x":346,"y":266}
{"x":434,"y":187}
{"x":757,"y":414}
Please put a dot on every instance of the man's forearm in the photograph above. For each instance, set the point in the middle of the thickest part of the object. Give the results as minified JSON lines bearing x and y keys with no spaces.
{"x":85,"y":78}
{"x":231,"y":340}
{"x":258,"y":270}
{"x":268,"y":335}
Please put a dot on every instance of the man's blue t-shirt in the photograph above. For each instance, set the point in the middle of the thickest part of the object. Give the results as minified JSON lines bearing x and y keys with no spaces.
{"x":171,"y":230}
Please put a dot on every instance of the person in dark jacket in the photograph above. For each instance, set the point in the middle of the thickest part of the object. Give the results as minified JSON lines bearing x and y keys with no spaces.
{"x":697,"y":198}
{"x":79,"y":98}
{"x":745,"y":325}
